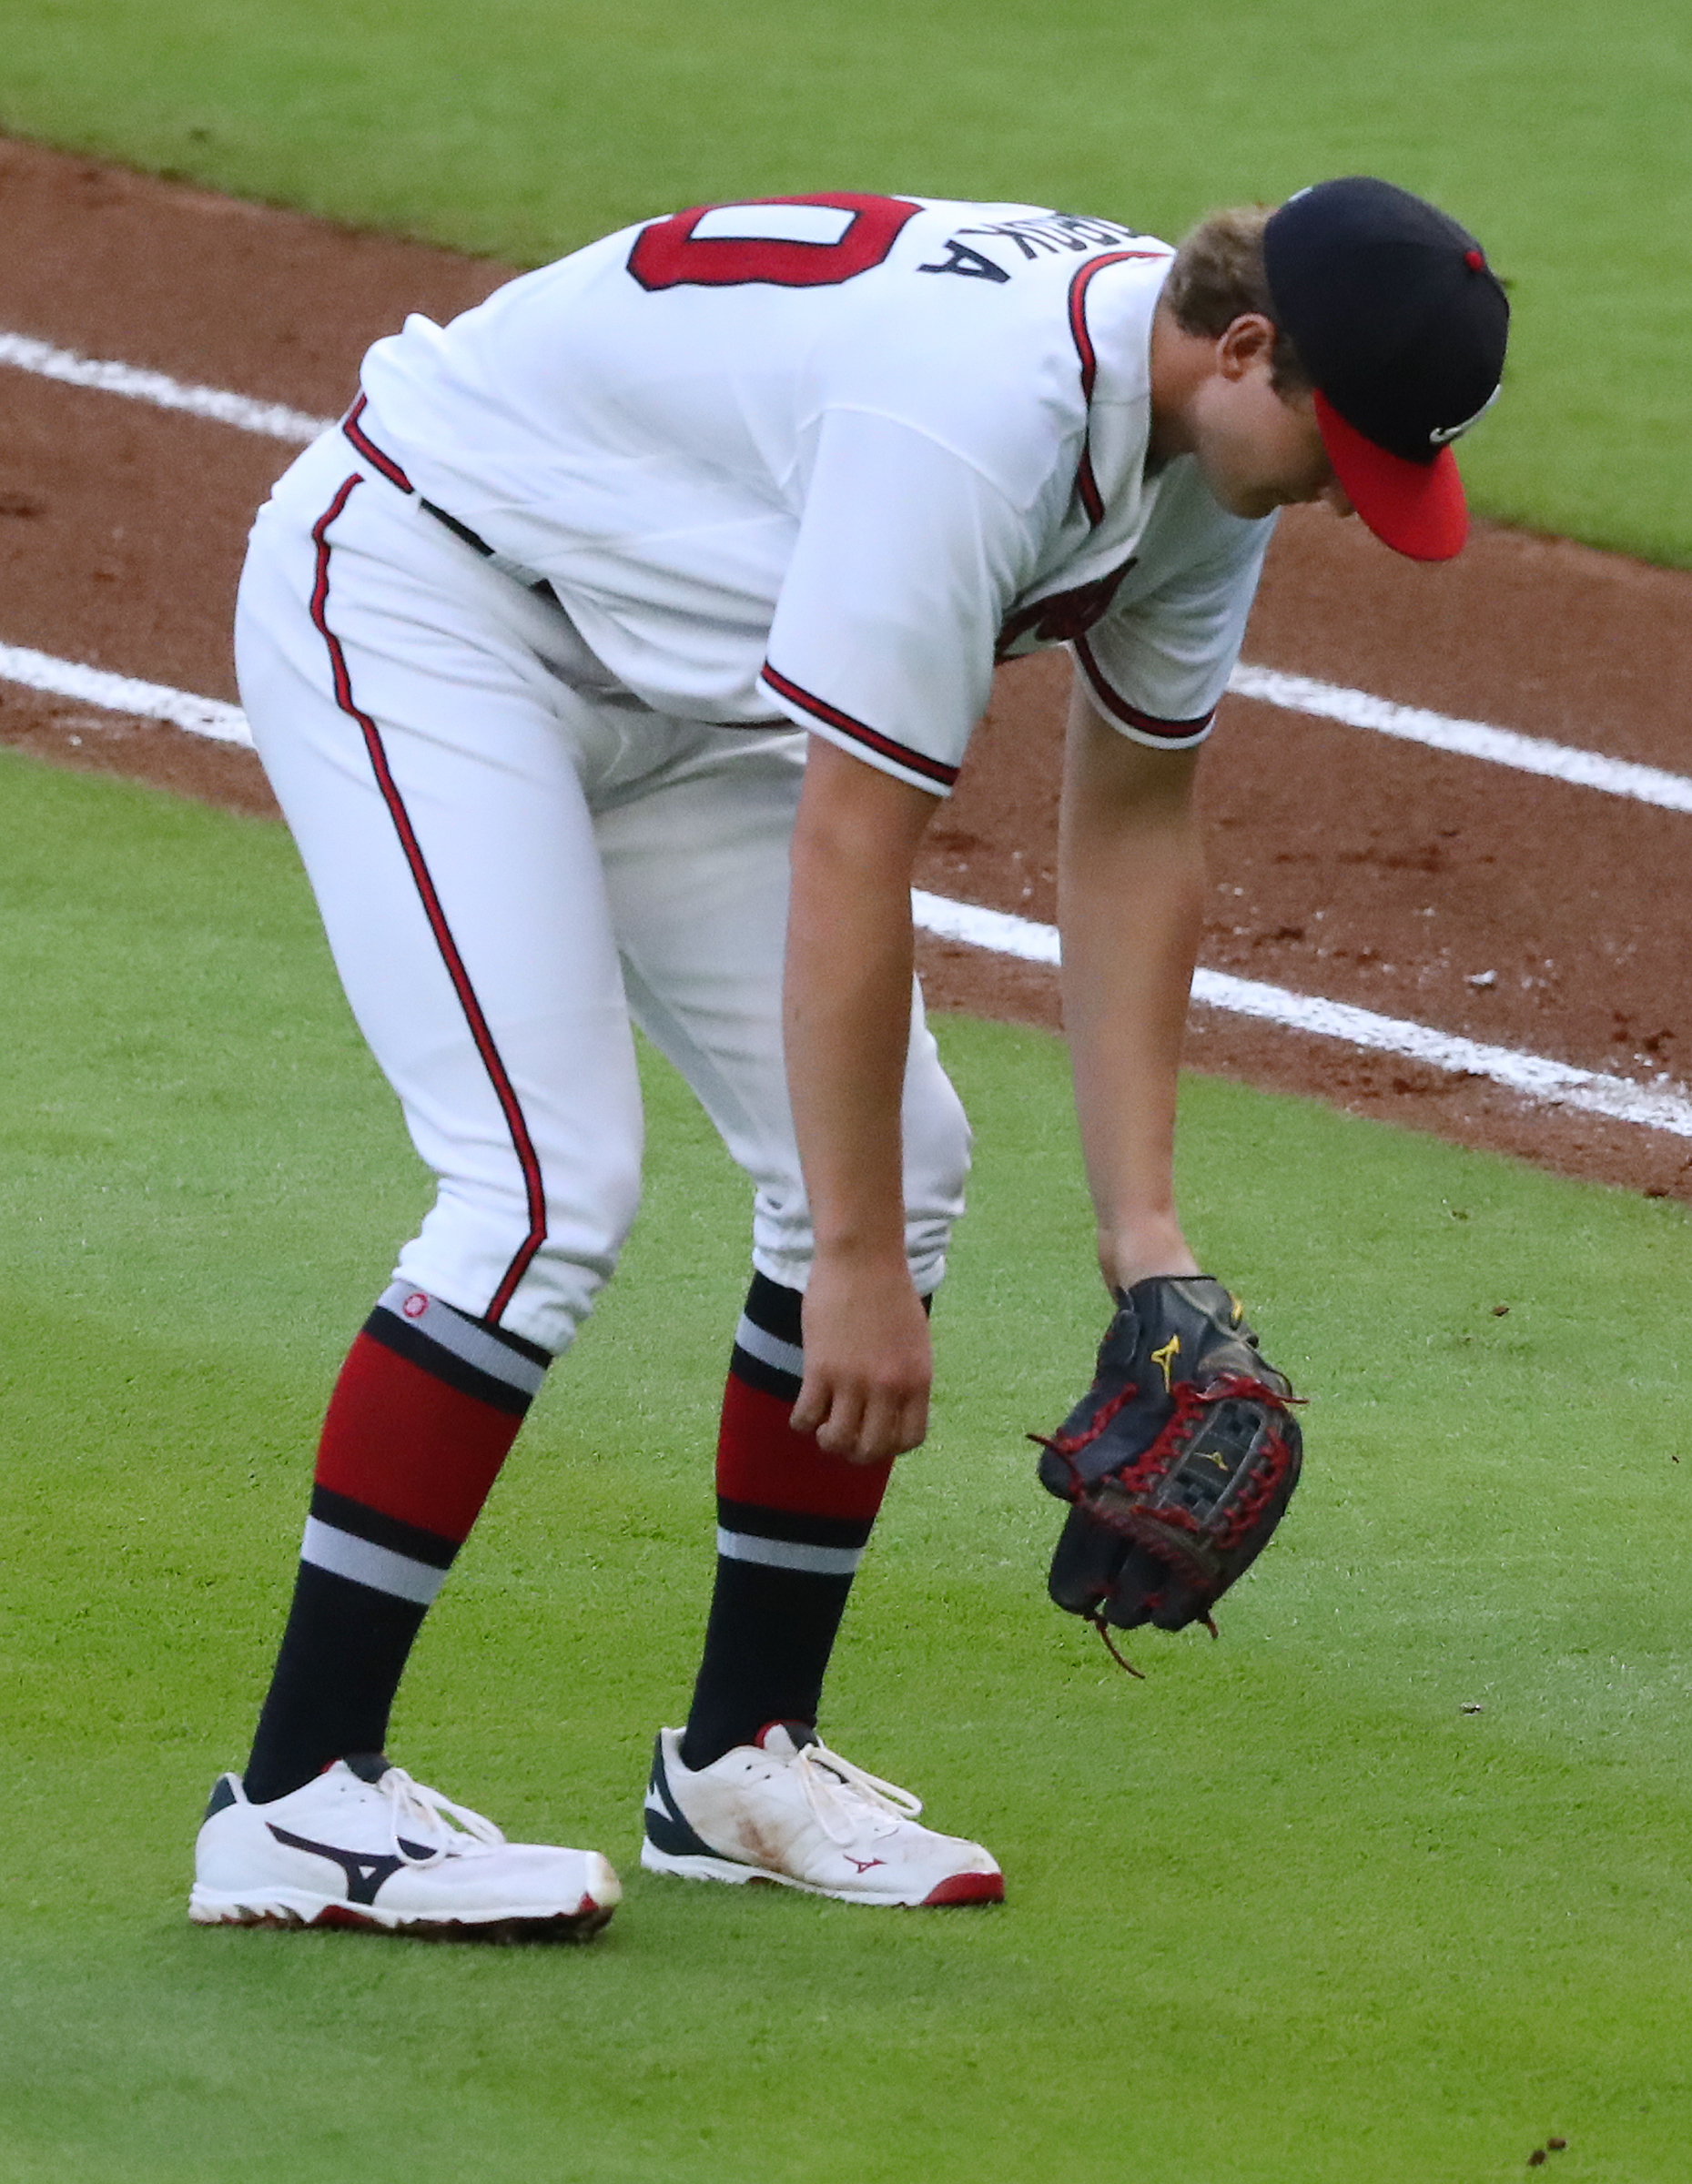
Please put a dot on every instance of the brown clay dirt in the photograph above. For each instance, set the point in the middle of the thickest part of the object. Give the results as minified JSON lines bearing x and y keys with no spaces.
{"x":1341,"y":863}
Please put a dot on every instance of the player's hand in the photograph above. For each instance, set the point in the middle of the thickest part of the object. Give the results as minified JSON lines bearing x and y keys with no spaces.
{"x":868,"y":1361}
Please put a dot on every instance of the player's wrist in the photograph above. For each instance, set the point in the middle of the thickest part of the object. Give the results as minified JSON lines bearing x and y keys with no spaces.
{"x":1135,"y":1251}
{"x":863,"y":1253}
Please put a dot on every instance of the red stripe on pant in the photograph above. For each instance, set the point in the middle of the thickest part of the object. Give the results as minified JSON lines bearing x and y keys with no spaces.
{"x":522,"y":1145}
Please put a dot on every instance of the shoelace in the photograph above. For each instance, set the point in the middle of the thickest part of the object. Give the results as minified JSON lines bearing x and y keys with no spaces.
{"x":452,"y":1829}
{"x":833,"y":1786}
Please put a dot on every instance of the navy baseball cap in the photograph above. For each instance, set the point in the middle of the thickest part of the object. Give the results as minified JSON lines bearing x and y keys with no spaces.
{"x":1401,"y":325}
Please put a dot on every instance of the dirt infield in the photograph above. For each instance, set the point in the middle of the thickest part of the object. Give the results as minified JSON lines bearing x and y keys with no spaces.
{"x":1512,"y":909}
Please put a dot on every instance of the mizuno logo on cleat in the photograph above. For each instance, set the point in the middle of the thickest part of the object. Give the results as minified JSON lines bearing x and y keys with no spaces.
{"x":862,"y":1865}
{"x":366,"y":1871}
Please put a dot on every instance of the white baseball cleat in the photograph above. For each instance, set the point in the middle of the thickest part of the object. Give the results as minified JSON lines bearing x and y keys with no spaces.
{"x":362,"y":1845}
{"x":788,"y":1809}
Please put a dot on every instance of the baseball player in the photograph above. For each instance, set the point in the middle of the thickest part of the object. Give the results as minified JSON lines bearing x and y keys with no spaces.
{"x":609,"y":661}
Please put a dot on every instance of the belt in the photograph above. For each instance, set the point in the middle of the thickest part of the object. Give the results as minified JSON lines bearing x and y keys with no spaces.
{"x":503,"y":563}
{"x":530,"y":579}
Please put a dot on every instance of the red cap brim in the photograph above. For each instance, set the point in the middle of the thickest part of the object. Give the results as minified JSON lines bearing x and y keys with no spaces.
{"x":1415,"y":507}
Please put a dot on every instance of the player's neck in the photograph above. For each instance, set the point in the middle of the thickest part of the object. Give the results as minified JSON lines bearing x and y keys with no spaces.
{"x":1181,"y":364}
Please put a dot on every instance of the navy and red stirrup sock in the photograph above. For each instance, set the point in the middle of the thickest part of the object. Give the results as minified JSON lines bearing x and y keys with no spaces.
{"x":792,"y":1524}
{"x":425,"y":1410}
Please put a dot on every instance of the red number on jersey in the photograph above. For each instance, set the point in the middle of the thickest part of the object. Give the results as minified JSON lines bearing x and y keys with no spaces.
{"x":668,"y":255}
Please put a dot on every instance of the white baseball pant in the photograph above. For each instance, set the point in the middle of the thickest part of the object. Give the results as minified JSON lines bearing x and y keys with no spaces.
{"x":512,"y":857}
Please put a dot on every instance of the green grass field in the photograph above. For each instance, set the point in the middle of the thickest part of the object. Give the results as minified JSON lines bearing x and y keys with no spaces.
{"x":524,"y":126}
{"x":1285,"y":1913}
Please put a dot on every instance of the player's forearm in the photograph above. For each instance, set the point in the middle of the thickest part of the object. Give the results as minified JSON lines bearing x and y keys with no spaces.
{"x":847,"y":1000}
{"x":1125,"y":998}
{"x":867,"y":1360}
{"x":1132,"y":906}
{"x":847,"y":1025}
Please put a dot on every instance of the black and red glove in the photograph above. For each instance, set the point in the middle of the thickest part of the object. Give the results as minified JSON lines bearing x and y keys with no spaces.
{"x":1178,"y":1460}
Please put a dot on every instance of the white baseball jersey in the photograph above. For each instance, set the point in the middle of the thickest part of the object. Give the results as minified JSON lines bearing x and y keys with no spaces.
{"x":828,"y":457}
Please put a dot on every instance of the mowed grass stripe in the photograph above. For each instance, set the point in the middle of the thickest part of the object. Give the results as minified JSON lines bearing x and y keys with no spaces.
{"x":1425,"y":1937}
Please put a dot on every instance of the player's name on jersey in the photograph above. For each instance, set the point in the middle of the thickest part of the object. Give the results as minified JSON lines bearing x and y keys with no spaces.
{"x":1045,"y":234}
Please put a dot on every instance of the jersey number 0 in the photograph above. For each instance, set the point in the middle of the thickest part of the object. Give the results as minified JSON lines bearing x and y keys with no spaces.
{"x":672,"y":254}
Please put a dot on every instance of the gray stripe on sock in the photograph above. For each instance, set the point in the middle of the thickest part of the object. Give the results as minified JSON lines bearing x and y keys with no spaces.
{"x":769,"y":1349}
{"x":338,"y":1552}
{"x":788,"y":1554}
{"x":462,"y":1336}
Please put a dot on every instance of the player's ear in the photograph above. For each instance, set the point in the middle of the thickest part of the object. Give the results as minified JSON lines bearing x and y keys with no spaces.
{"x":1248,"y":343}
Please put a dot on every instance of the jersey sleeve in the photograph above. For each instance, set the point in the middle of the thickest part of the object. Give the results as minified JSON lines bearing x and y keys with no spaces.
{"x":906,"y":559}
{"x":1157,"y":664}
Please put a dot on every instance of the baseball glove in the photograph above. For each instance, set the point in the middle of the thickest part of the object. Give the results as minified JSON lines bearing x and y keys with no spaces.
{"x":1179,"y":1462}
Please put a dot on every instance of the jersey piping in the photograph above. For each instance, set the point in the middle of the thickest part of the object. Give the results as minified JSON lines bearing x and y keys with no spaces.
{"x":372,"y":453}
{"x":916,"y":762}
{"x":1086,"y":483}
{"x":1148,"y":724}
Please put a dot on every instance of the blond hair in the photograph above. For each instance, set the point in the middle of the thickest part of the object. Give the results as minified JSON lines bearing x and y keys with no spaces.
{"x":1219,"y":276}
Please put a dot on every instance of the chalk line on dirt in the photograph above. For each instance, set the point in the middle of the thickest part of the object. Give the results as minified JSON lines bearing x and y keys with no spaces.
{"x":1560,"y":1084}
{"x":123,"y":694}
{"x":1533,"y":1075}
{"x":1269,"y":686}
{"x":275,"y":420}
{"x":1557,"y":1083}
{"x":1470,"y":739}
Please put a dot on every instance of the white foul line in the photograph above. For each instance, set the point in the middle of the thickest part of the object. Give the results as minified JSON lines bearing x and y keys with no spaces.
{"x":1559,"y":1083}
{"x":275,"y":420}
{"x":998,"y":931}
{"x":1472,"y":739}
{"x":1532,"y":1075}
{"x":1268,"y":685}
{"x":123,"y":694}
